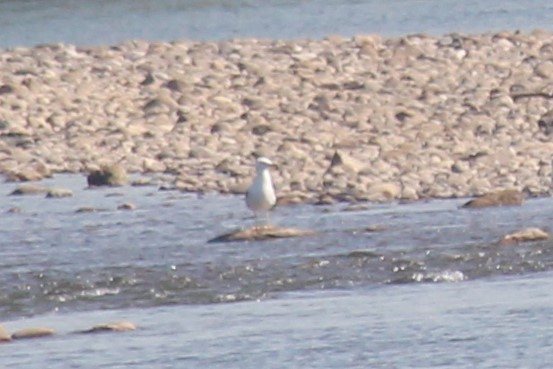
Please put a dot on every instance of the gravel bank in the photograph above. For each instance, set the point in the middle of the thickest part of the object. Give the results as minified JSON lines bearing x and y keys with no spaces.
{"x":362,"y":118}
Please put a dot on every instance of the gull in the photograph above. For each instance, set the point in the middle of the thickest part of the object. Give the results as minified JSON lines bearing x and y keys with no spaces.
{"x":260,"y":197}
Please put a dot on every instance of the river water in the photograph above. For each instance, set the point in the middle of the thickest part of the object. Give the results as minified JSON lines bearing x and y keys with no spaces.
{"x":431,"y":288}
{"x":31,"y":22}
{"x":421,"y":285}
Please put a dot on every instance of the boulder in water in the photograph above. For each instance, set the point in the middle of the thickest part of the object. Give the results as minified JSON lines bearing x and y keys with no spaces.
{"x":498,"y":198}
{"x":109,"y":175}
{"x":526,"y":235}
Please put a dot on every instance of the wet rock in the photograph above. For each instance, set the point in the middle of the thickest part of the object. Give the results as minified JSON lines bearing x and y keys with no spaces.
{"x":260,"y":233}
{"x":59,"y":193}
{"x":123,"y":326}
{"x":30,"y":189}
{"x":526,"y":235}
{"x":356,"y":207}
{"x":370,"y":254}
{"x":325,"y":199}
{"x":126,"y":206}
{"x":27,"y":174}
{"x":499,"y":198}
{"x":87,"y":209}
{"x":32,"y":333}
{"x":4,"y":335}
{"x":112,"y":175}
{"x":140,"y":182}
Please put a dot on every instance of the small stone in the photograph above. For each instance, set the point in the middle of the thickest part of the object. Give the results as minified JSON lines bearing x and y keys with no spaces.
{"x":141,"y":182}
{"x":291,"y":199}
{"x":545,"y":123}
{"x":32,"y":333}
{"x":261,"y":129}
{"x":346,"y":161}
{"x":6,"y":89}
{"x":126,"y":206}
{"x":59,"y":193}
{"x":123,"y":326}
{"x":375,"y":228}
{"x":29,"y":189}
{"x":325,"y":199}
{"x":384,"y":191}
{"x":4,"y":335}
{"x":526,"y":235}
{"x":87,"y":209}
{"x":356,"y":207}
{"x":148,"y":80}
{"x":176,"y":85}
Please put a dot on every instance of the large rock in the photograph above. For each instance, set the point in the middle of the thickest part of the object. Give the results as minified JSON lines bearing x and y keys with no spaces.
{"x":499,"y":198}
{"x":112,"y":175}
{"x":260,"y":233}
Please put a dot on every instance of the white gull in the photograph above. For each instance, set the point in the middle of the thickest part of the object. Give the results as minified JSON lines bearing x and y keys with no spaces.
{"x":260,"y":197}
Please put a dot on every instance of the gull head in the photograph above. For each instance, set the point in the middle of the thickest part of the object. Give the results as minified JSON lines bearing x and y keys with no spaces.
{"x":263,"y":163}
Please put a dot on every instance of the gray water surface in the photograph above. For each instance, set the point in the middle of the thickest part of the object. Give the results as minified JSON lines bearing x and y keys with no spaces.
{"x":31,"y":22}
{"x":431,"y":288}
{"x":493,"y":324}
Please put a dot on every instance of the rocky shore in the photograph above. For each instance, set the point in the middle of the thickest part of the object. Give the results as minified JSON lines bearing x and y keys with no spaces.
{"x":362,"y":118}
